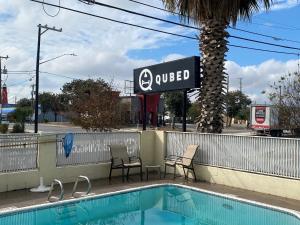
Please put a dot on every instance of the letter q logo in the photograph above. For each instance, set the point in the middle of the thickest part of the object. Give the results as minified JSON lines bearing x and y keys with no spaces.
{"x":146,"y":80}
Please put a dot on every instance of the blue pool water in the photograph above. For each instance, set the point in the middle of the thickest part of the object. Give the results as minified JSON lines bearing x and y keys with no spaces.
{"x":162,"y":205}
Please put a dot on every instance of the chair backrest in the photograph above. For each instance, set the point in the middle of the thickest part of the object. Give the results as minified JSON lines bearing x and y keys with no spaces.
{"x":189,"y":154}
{"x":119,"y":153}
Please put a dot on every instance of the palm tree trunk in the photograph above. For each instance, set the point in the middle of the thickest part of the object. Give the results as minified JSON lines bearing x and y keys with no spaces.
{"x":212,"y":92}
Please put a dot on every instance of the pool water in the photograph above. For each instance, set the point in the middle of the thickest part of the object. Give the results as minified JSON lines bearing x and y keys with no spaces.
{"x":161,"y":205}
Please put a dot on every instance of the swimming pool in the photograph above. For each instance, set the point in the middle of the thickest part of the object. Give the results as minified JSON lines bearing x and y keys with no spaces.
{"x":153,"y":205}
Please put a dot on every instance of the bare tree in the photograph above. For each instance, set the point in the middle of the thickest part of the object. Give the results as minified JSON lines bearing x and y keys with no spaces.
{"x":285,"y":96}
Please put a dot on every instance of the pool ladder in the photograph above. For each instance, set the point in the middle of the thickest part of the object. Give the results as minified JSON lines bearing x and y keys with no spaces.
{"x":52,"y":198}
{"x":75,"y":194}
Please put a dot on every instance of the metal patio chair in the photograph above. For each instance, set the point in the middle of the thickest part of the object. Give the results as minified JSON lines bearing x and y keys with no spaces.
{"x":185,"y":161}
{"x":121,"y":160}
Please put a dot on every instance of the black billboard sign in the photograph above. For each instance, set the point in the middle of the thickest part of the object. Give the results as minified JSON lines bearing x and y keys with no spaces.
{"x":175,"y":75}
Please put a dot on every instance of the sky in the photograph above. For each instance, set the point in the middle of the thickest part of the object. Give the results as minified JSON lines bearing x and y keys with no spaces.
{"x":111,"y":51}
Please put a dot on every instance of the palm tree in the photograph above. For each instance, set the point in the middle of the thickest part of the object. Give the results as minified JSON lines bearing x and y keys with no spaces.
{"x":213,"y":17}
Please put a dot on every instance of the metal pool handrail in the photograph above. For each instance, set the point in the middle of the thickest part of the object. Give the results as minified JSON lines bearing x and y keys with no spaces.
{"x":56,"y":198}
{"x":80,"y":194}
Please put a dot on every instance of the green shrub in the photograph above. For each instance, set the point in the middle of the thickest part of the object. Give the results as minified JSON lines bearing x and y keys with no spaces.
{"x":18,"y":128}
{"x":46,"y":121}
{"x":3,"y":128}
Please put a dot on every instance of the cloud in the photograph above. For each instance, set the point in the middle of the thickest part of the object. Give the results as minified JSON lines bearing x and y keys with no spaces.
{"x":172,"y":57}
{"x":101,"y":46}
{"x":284,"y":4}
{"x":258,"y":78}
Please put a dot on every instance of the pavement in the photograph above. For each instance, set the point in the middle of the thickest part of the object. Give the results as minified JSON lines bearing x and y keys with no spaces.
{"x":67,"y":127}
{"x":54,"y":128}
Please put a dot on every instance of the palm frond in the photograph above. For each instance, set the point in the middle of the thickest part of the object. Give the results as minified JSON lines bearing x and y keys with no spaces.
{"x":220,"y":10}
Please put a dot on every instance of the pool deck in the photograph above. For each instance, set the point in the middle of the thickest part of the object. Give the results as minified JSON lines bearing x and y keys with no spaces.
{"x":22,"y":198}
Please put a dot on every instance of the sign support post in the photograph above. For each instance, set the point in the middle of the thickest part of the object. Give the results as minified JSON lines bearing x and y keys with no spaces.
{"x":184,"y":111}
{"x":145,"y":113}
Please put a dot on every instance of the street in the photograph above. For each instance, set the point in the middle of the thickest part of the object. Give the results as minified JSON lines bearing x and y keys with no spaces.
{"x":65,"y":128}
{"x":54,"y":128}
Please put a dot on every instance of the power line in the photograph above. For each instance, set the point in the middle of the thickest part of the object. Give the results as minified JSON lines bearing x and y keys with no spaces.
{"x":264,"y":50}
{"x":88,"y":2}
{"x":160,"y":31}
{"x":263,"y":42}
{"x":72,"y":78}
{"x":20,"y":71}
{"x":155,"y":7}
{"x":16,"y":84}
{"x":188,"y":26}
{"x":43,"y":72}
{"x":57,"y":57}
{"x":144,"y":15}
{"x":233,"y":28}
{"x":264,"y":35}
{"x":274,"y":26}
{"x":19,"y":83}
{"x":48,"y":14}
{"x":116,"y":21}
{"x":281,"y":25}
{"x":59,"y":75}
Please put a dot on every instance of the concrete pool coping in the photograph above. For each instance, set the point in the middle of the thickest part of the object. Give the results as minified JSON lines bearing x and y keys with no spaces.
{"x":114,"y":189}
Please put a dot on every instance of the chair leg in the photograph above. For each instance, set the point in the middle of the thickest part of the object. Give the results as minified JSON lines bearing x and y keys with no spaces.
{"x":195,"y":178}
{"x":127,"y":177}
{"x":141,"y":173}
{"x":159,"y":171}
{"x":147,"y":173}
{"x":165,"y":171}
{"x":174,"y":171}
{"x":122,"y":174}
{"x":185,"y":176}
{"x":110,"y":173}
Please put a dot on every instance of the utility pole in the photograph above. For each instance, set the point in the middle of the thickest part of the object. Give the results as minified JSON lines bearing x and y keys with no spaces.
{"x":40,"y":33}
{"x":241,"y":84}
{"x":32,"y":93}
{"x":1,"y":57}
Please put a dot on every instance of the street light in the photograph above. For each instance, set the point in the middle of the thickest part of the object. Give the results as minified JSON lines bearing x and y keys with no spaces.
{"x":57,"y":57}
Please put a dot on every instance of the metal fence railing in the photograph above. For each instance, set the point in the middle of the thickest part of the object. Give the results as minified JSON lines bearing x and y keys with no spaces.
{"x":93,"y":147}
{"x":272,"y":156}
{"x":18,"y":152}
